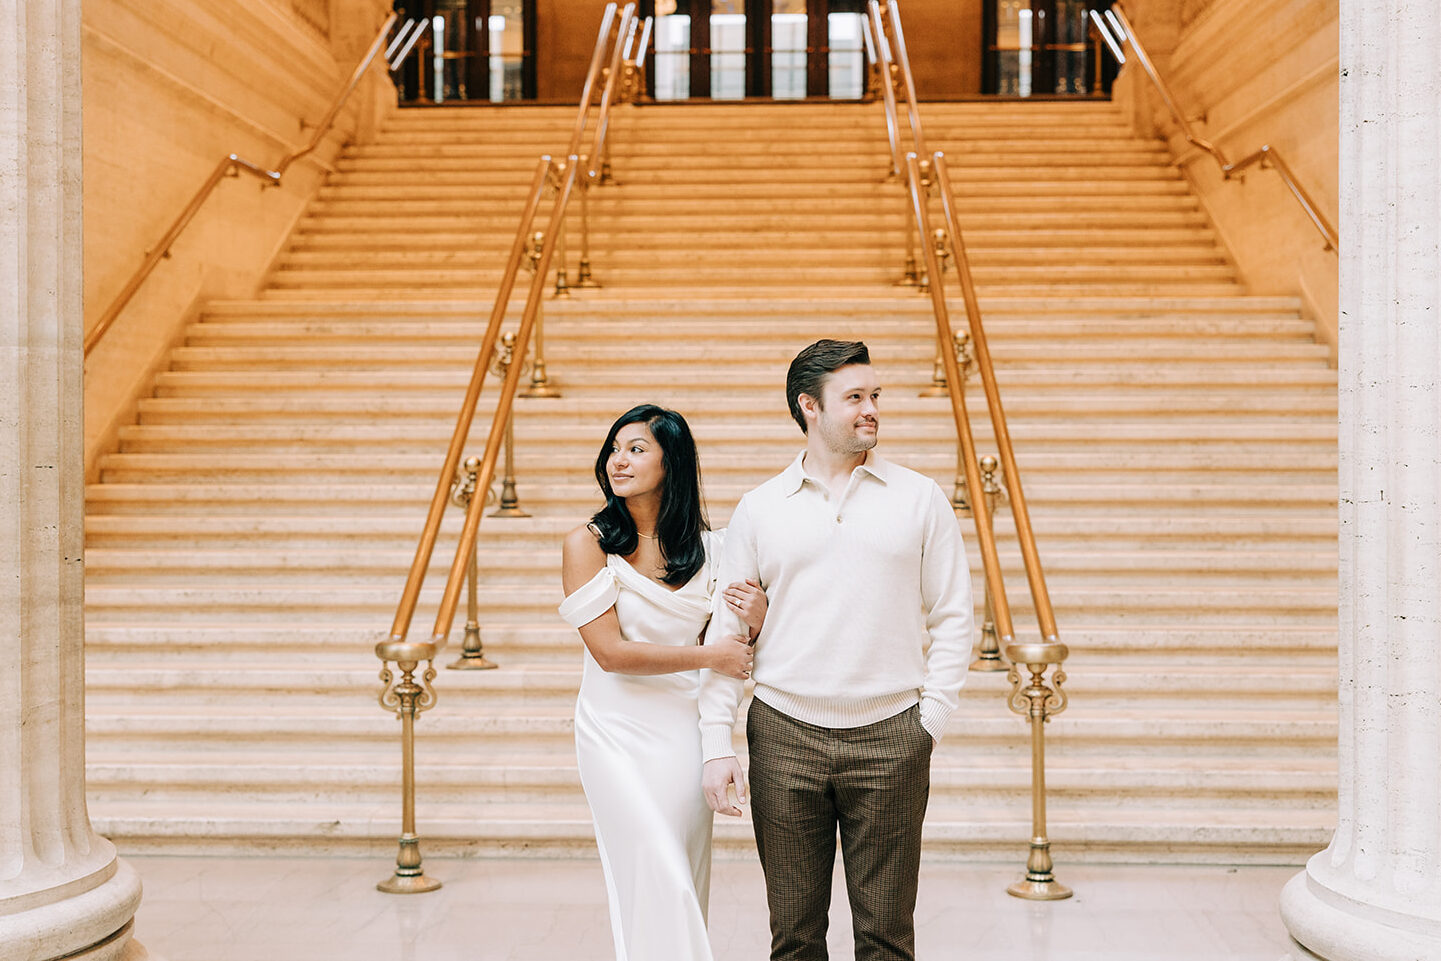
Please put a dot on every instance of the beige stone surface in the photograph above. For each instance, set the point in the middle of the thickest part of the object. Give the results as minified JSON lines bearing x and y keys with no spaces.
{"x":170,"y":88}
{"x":62,"y":890}
{"x":1248,"y":73}
{"x":327,"y":909}
{"x":1375,"y":892}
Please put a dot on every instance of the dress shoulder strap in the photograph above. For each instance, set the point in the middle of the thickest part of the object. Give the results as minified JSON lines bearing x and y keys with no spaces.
{"x":591,"y":599}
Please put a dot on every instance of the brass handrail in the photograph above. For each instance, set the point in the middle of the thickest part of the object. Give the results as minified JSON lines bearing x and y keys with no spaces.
{"x":591,"y":73}
{"x":445,"y":616}
{"x":405,"y":610}
{"x":920,"y":175}
{"x":1266,"y":157}
{"x":1020,"y":514}
{"x":624,"y":37}
{"x":408,"y":698}
{"x":873,"y":43}
{"x":902,"y":61}
{"x":980,"y":510}
{"x":890,"y":77}
{"x":230,"y":166}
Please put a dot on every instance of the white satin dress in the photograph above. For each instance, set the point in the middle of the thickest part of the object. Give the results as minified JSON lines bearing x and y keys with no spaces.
{"x":637,"y":741}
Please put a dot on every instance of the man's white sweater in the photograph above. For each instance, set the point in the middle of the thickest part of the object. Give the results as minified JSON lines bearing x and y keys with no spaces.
{"x":869,"y":602}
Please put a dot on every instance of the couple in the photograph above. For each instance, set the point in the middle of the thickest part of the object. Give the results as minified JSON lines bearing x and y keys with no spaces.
{"x":843,"y":585}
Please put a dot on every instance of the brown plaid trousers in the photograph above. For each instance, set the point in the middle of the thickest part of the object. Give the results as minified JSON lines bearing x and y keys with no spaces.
{"x":871,"y":782}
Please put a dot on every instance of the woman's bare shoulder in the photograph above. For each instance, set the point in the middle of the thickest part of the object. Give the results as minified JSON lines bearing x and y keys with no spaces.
{"x":583,"y":543}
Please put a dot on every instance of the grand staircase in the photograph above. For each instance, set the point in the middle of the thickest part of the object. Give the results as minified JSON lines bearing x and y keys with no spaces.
{"x":248,"y":540}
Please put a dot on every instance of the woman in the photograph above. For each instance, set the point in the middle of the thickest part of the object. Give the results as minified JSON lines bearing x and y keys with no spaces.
{"x":639,"y":582}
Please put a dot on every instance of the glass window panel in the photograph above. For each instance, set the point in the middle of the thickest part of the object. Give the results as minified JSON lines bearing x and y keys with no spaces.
{"x":728,"y":52}
{"x":671,"y":52}
{"x":507,"y":50}
{"x":847,"y":62}
{"x":788,"y":54}
{"x":1013,"y":47}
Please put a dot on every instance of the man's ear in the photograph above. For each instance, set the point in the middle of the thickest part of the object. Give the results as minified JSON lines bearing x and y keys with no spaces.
{"x":810,"y":407}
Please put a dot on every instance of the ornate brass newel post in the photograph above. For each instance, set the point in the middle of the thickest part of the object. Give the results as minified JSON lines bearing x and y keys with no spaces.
{"x":1040,"y":703}
{"x":539,"y":380}
{"x":472,"y":651}
{"x":585,"y":179}
{"x":509,"y":499}
{"x":938,"y":386}
{"x":995,"y":495}
{"x":923,"y":285}
{"x":562,"y":282}
{"x":960,"y":497}
{"x":407,"y":699}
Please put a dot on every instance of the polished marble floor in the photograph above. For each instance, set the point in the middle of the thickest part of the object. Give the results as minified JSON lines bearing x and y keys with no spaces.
{"x":319,"y":909}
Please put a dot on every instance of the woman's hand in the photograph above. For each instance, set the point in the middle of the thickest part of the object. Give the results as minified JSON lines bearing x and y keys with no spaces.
{"x":749,"y":602}
{"x":732,"y":656}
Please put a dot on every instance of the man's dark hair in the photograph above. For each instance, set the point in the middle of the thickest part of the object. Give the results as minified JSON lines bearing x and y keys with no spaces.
{"x":808,"y":372}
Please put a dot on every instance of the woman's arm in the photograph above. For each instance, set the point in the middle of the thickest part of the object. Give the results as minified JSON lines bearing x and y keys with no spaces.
{"x":581,"y":560}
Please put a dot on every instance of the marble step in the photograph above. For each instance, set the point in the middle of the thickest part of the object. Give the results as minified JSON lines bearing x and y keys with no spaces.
{"x":522,"y":565}
{"x":864,"y":156}
{"x":195,"y":684}
{"x":1192,"y":388}
{"x":744,"y":299}
{"x":212,"y":404}
{"x":860,"y":145}
{"x":631,"y":233}
{"x":762,"y":268}
{"x":1140,"y":209}
{"x":398,"y":436}
{"x":546,"y":641}
{"x":1219,"y":834}
{"x":553,"y":780}
{"x":1315,"y":531}
{"x":980,"y":727}
{"x":862,"y":193}
{"x":306,"y":467}
{"x":279,"y":598}
{"x":861,"y":253}
{"x":602,"y":360}
{"x":904,"y":355}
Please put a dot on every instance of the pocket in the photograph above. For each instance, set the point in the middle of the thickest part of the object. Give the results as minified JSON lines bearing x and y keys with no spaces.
{"x":930,"y":741}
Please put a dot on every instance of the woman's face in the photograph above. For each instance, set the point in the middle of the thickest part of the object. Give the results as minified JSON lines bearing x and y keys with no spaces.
{"x":635,"y":465}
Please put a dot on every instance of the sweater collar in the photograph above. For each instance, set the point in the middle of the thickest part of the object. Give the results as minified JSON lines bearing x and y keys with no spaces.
{"x":795,"y":476}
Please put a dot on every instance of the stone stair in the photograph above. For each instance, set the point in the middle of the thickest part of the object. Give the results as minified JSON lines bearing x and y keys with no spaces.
{"x":247,"y":542}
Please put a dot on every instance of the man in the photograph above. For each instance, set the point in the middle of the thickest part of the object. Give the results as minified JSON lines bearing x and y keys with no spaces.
{"x":862,"y":562}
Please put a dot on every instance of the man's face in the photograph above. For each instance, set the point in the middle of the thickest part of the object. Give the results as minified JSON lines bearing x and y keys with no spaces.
{"x":847,"y":417}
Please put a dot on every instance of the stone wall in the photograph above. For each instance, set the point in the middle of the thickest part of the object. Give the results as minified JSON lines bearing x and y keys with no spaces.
{"x":1248,"y":73}
{"x":171,"y":87}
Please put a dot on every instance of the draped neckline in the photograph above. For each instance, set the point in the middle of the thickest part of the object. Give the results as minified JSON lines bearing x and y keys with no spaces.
{"x":678,"y":601}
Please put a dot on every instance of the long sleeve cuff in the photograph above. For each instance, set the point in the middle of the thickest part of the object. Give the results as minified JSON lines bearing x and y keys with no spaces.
{"x":715,"y":741}
{"x":934,"y":715}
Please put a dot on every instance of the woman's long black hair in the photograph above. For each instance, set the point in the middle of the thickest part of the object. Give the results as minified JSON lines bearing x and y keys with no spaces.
{"x":682,"y":515}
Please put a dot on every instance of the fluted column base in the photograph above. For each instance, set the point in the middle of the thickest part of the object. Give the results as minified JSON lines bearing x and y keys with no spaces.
{"x":94,"y":924}
{"x":1338,"y":928}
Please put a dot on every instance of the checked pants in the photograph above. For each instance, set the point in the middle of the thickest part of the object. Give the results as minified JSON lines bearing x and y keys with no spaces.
{"x":871,"y":783}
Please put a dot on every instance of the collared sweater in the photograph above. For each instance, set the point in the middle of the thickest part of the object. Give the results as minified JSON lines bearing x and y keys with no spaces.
{"x":869,"y":599}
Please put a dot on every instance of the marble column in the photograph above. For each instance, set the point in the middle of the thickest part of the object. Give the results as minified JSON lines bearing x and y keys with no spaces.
{"x":1375,"y":893}
{"x":63,"y":892}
